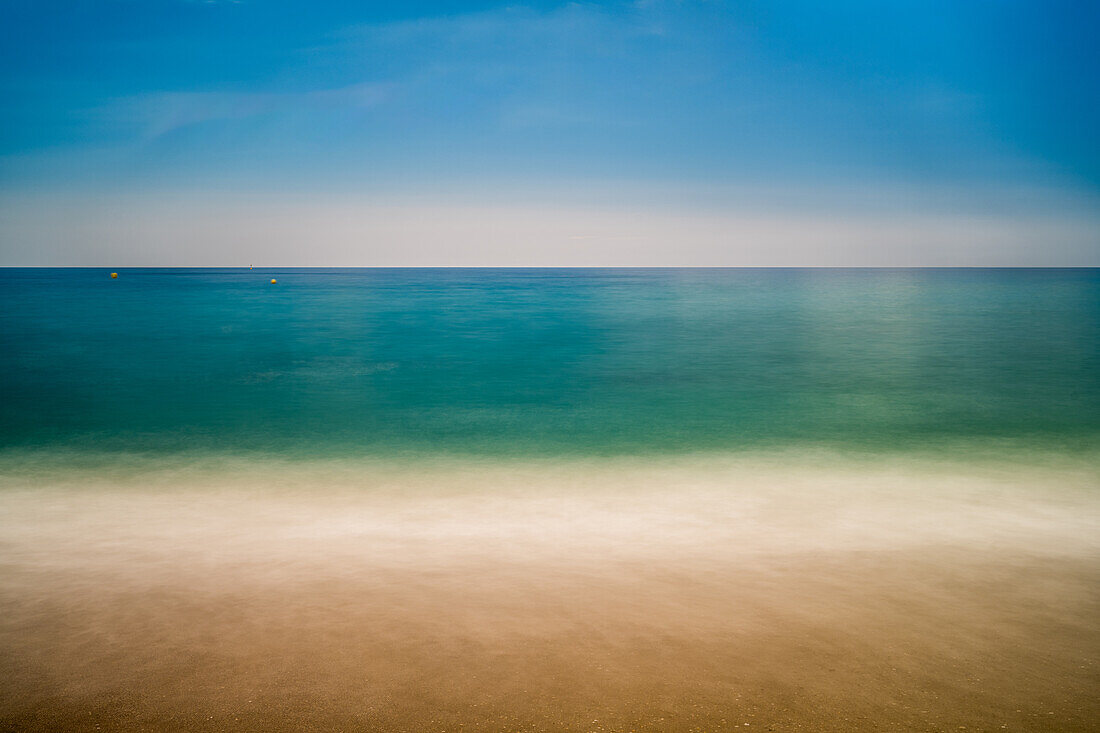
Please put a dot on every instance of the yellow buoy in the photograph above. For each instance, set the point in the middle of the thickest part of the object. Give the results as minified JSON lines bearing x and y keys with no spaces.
{"x":114,"y":275}
{"x":272,"y":281}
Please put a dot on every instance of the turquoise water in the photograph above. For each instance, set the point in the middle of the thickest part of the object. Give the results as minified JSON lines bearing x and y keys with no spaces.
{"x":546,"y":362}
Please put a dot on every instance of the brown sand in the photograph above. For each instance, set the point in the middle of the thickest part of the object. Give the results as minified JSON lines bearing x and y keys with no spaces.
{"x":706,"y":596}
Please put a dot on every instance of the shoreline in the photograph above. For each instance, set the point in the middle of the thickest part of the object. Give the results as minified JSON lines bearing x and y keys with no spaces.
{"x":701,"y":593}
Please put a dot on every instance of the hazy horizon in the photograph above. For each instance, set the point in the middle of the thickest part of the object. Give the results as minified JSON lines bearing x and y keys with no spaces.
{"x":645,"y":133}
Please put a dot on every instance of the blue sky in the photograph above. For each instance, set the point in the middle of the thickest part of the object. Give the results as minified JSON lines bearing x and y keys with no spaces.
{"x":807,"y":132}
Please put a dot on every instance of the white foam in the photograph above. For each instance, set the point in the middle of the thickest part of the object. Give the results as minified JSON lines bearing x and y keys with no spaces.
{"x":346,"y":516}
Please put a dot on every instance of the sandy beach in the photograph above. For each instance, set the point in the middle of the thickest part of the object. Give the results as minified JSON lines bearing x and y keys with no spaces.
{"x":677,"y":595}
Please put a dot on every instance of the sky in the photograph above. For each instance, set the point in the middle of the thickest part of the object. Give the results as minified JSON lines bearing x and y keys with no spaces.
{"x":654,"y":132}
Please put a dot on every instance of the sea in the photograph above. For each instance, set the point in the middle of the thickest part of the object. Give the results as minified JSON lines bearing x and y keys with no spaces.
{"x":409,"y":363}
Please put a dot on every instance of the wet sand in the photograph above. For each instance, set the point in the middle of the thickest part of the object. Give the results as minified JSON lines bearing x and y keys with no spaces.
{"x":710,"y":594}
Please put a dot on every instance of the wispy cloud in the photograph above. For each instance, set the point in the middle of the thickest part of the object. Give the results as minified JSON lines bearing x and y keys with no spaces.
{"x":157,"y":114}
{"x":519,"y":67}
{"x":524,"y":67}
